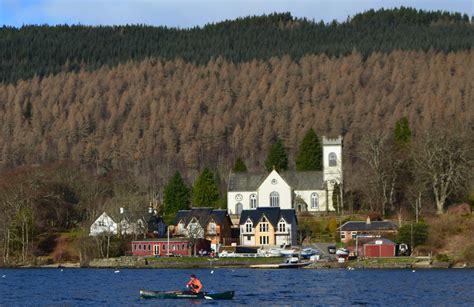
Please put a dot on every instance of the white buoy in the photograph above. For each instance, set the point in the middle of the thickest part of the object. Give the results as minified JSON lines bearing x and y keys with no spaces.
{"x":212,"y":272}
{"x":3,"y":276}
{"x":117,"y":271}
{"x":413,"y":271}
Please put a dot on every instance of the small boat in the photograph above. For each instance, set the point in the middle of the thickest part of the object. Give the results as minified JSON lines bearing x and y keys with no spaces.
{"x":308,"y":252}
{"x":288,"y":252}
{"x":228,"y":295}
{"x":342,"y":252}
{"x":289,"y":263}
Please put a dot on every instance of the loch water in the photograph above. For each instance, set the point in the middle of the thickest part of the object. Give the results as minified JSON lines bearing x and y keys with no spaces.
{"x":284,"y":287}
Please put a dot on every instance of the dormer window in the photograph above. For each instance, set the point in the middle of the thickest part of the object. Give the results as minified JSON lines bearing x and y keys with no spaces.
{"x":264,"y":225}
{"x":248,"y":226}
{"x":332,"y":159}
{"x":180,"y":227}
{"x":274,"y":199}
{"x":282,"y":226}
{"x":253,"y":201}
{"x":212,"y":227}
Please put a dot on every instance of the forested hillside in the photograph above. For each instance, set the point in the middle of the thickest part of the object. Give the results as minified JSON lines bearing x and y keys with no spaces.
{"x":154,"y":117}
{"x":41,"y":50}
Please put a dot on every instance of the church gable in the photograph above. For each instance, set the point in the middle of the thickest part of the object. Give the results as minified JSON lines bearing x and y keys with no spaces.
{"x":274,"y":182}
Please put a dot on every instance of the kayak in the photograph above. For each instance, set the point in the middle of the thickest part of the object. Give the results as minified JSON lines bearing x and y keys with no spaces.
{"x":228,"y":295}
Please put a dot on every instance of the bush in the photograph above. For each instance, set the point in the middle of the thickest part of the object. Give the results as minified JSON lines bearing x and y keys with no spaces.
{"x":420,"y":234}
{"x":442,"y":258}
{"x":332,"y":225}
{"x":468,"y":254}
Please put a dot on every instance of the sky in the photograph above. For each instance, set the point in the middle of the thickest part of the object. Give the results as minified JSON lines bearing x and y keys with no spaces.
{"x":190,"y":13}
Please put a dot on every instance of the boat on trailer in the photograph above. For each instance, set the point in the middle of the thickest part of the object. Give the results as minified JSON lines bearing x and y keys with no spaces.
{"x":148,"y":294}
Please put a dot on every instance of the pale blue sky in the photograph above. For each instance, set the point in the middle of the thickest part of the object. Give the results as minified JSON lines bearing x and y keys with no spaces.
{"x":189,"y":13}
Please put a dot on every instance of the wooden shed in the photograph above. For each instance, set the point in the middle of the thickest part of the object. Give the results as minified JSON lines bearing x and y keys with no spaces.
{"x":380,"y":248}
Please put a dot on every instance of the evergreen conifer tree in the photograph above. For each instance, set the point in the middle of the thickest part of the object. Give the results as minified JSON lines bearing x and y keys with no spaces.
{"x":277,"y":157}
{"x":402,"y":133}
{"x":176,"y":197}
{"x":205,"y":191}
{"x":239,"y":166}
{"x":310,"y":154}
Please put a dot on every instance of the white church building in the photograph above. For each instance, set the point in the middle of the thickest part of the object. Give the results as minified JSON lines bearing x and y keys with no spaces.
{"x":310,"y":191}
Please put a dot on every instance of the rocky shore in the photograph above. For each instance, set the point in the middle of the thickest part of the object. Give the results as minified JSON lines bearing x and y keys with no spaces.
{"x":189,"y":262}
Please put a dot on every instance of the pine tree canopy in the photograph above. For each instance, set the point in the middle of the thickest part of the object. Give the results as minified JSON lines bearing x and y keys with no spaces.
{"x":402,"y":133}
{"x":176,"y":197}
{"x":240,"y":166}
{"x":277,"y":157}
{"x":205,"y":191}
{"x":42,"y":50}
{"x":309,"y":157}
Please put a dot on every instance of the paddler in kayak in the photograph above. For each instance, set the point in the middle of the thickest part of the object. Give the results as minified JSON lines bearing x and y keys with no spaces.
{"x":194,"y":284}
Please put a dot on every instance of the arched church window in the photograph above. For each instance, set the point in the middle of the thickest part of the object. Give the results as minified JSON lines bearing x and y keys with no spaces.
{"x":238,"y":208}
{"x":253,"y":201}
{"x":314,"y":201}
{"x":274,"y":199}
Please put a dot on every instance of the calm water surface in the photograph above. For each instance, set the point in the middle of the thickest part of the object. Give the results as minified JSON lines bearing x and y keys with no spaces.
{"x":300,"y":287}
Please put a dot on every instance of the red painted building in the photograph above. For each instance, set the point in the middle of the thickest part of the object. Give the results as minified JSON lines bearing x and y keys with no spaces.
{"x":163,"y":247}
{"x":379,"y":248}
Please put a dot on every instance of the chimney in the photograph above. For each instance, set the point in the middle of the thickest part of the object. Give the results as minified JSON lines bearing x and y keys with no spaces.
{"x":122,"y":210}
{"x":368,"y":220}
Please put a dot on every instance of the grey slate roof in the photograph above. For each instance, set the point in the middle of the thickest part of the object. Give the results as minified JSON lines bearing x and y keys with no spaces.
{"x":309,"y":180}
{"x":273,"y":214}
{"x":363,"y":226}
{"x":204,"y":215}
{"x":384,"y":242}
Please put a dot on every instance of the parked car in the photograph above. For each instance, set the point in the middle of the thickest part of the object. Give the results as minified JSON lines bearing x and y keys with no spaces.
{"x":332,"y":249}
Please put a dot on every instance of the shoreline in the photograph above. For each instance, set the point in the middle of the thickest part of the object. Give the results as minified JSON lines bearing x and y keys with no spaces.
{"x":130,"y":262}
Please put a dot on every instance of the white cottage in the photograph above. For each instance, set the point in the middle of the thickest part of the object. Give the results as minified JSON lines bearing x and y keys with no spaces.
{"x":103,"y":224}
{"x":304,"y":191}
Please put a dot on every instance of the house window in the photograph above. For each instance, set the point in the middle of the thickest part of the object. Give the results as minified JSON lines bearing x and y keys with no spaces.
{"x":274,"y":199}
{"x":173,"y":247}
{"x":134,"y":246}
{"x":264,"y":225}
{"x":314,"y":201}
{"x":354,"y":234}
{"x":183,"y":247}
{"x":164,"y":247}
{"x":248,"y":226}
{"x":149,"y":247}
{"x":264,"y":240}
{"x":253,"y":201}
{"x":180,"y":227}
{"x":140,"y":247}
{"x":343,"y":235}
{"x":282,"y":226}
{"x":101,"y":223}
{"x":332,"y":159}
{"x":212,"y":228}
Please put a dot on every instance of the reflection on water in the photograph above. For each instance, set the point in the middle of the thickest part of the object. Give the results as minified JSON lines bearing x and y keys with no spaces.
{"x":261,"y":287}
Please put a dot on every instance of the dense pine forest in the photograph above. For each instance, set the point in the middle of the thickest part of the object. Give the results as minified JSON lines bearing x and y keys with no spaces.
{"x":41,"y":50}
{"x":93,"y":118}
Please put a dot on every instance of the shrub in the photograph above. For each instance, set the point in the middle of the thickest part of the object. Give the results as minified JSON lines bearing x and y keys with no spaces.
{"x":468,"y":254}
{"x":419,"y":232}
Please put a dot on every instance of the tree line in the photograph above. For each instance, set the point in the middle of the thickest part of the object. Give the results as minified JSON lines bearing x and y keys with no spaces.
{"x":42,"y":50}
